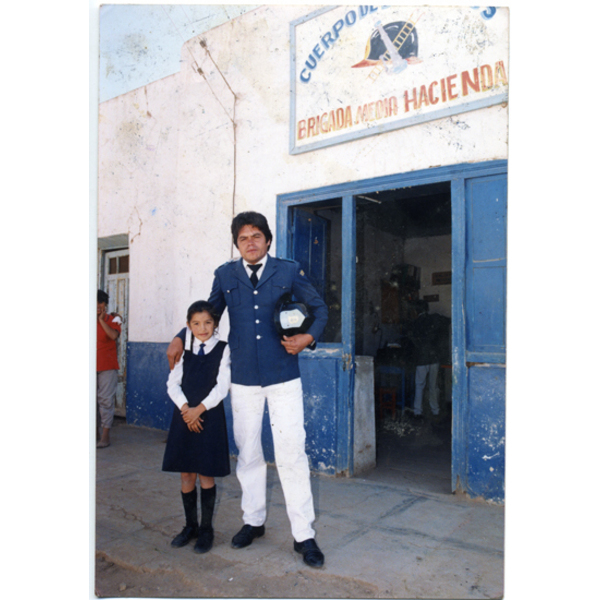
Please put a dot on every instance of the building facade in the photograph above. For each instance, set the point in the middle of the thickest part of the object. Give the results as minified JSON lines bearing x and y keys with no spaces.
{"x":375,"y":141}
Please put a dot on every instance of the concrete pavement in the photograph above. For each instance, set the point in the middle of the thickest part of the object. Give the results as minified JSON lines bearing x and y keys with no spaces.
{"x":380,"y":540}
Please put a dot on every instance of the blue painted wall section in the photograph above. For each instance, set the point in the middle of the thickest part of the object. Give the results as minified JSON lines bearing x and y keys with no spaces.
{"x":147,"y":401}
{"x":486,"y":432}
{"x":320,"y":386}
{"x":149,"y":405}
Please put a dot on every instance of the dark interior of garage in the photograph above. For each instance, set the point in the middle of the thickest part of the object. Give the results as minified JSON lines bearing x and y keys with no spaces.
{"x":403,"y":257}
{"x":404,"y":243}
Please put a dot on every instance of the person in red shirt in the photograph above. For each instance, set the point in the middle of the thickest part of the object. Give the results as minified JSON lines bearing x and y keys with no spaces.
{"x":107,"y":367}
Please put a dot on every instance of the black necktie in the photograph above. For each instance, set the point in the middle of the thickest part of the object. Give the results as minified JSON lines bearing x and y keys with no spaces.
{"x":254,"y":276}
{"x":201,"y":351}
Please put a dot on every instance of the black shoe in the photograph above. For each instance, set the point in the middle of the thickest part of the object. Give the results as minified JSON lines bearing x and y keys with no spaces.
{"x":183,"y":539}
{"x":205,"y":540}
{"x":246,"y":534}
{"x":311,"y":554}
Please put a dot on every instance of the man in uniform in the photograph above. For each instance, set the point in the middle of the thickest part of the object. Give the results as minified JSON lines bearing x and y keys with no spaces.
{"x":263,"y":366}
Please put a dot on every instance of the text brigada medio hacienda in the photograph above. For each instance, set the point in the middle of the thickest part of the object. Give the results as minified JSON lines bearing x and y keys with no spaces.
{"x":446,"y":89}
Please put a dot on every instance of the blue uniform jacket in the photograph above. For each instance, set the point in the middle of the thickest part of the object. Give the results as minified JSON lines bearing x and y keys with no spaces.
{"x":257,"y":356}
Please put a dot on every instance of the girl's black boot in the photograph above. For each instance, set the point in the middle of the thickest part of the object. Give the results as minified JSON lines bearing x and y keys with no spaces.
{"x":205,"y":533}
{"x":190,"y":531}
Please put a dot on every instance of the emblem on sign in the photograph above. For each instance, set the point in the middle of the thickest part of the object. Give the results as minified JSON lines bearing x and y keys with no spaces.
{"x":391,"y":47}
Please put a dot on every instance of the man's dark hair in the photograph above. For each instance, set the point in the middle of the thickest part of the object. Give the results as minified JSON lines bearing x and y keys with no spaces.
{"x":250,"y":218}
{"x":102,"y":297}
{"x":203,"y":306}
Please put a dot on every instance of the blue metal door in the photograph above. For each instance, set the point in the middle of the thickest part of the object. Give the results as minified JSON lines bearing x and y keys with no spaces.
{"x":486,"y":269}
{"x":328,"y":371}
{"x":309,"y":239}
{"x":479,"y":204}
{"x":480,"y":337}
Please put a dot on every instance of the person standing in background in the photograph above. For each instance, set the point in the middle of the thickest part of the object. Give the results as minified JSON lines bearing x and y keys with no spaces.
{"x":107,"y":367}
{"x":425,"y":333}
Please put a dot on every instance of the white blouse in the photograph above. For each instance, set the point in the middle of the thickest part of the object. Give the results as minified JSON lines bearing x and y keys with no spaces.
{"x":221,"y":388}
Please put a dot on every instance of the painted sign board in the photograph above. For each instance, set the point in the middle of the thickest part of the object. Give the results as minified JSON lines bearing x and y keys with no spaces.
{"x":357,"y":71}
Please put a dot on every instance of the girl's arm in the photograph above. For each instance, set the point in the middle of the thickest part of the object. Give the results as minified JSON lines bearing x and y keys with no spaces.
{"x":174,"y":386}
{"x":221,"y":388}
{"x":176,"y":394}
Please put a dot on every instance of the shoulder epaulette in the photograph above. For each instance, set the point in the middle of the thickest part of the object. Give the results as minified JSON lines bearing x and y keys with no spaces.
{"x":227,"y":263}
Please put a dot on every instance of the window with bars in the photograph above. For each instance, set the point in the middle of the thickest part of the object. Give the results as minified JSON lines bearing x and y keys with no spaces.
{"x":118,"y":264}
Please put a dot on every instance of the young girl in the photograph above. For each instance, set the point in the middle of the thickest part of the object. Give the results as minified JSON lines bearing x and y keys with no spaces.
{"x":197,"y":445}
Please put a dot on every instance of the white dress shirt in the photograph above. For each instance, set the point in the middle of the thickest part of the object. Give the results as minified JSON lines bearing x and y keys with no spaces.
{"x":221,"y":388}
{"x":259,"y":272}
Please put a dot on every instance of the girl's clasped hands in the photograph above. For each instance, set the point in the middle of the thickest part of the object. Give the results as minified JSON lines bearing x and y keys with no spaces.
{"x":192,"y":417}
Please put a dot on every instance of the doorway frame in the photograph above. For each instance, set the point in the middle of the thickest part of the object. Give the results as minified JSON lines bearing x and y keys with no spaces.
{"x":116,"y":245}
{"x":456,"y":176}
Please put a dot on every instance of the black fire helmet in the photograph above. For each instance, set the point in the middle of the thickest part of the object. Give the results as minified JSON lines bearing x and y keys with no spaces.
{"x":291,"y":317}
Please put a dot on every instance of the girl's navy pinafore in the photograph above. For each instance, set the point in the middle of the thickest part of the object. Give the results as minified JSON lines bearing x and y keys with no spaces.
{"x":206,"y":452}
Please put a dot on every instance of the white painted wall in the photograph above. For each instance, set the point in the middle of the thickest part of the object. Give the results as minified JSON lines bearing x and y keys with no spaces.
{"x":169,"y":160}
{"x":433,"y":255}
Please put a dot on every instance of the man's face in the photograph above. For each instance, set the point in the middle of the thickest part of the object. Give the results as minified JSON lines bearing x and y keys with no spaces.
{"x":252,"y":244}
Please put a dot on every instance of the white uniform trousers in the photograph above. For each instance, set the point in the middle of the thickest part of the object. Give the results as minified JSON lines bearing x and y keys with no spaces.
{"x":421,"y":374}
{"x":286,"y":412}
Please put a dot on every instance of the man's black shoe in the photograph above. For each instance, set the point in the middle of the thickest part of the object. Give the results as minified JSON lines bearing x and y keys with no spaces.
{"x":311,"y":554}
{"x":246,"y":534}
{"x":187,"y":533}
{"x":205,"y":540}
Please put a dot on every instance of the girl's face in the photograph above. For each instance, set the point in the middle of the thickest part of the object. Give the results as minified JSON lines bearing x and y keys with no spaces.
{"x":202,"y":326}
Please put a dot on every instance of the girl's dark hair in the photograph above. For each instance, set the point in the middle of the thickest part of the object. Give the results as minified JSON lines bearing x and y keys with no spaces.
{"x":250,"y":218}
{"x":102,"y":297}
{"x":203,"y":306}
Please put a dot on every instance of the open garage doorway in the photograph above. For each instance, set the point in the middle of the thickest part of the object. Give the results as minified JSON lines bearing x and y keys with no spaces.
{"x":404,"y":266}
{"x":377,"y":248}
